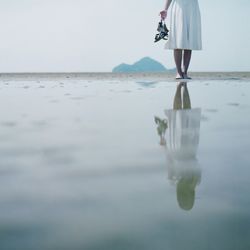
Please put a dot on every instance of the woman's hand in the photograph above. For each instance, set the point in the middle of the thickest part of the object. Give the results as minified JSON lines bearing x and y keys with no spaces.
{"x":163,"y":14}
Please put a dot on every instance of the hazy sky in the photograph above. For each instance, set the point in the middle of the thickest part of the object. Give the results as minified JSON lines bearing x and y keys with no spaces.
{"x":96,"y":35}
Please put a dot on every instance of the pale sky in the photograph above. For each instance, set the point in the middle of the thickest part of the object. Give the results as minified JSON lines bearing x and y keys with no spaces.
{"x":96,"y":35}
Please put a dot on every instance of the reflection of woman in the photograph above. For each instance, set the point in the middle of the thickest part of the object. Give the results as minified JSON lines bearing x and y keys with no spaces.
{"x":186,"y":175}
{"x":182,"y":139}
{"x":185,"y":32}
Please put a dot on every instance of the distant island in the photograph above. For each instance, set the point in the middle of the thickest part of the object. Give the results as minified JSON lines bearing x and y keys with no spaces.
{"x":146,"y":64}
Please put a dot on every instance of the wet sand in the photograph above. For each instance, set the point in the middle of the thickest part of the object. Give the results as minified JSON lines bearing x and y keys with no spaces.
{"x":125,"y":76}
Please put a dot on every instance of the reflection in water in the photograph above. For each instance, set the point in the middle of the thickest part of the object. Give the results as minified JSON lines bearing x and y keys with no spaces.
{"x":181,"y":141}
{"x":161,"y":129}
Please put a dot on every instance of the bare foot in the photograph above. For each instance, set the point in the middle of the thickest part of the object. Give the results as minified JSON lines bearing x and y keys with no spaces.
{"x":178,"y":76}
{"x":185,"y":76}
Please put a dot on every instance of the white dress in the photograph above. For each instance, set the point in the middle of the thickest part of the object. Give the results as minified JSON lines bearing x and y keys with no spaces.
{"x":184,"y":25}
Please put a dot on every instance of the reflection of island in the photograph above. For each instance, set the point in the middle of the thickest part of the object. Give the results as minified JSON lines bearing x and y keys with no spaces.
{"x":181,"y":143}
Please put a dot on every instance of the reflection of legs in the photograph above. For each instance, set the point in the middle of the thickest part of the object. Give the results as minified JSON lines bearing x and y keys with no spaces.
{"x":177,"y":98}
{"x":186,"y":98}
{"x":187,"y":59}
{"x":178,"y":62}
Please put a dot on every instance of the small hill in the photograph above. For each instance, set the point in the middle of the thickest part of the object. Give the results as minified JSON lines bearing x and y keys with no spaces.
{"x":146,"y":64}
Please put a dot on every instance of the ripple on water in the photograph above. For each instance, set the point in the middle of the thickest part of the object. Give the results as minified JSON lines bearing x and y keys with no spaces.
{"x":39,"y":123}
{"x":204,"y":118}
{"x":78,"y":98}
{"x":8,"y":124}
{"x":234,"y":104}
{"x":54,"y":101}
{"x":211,"y":110}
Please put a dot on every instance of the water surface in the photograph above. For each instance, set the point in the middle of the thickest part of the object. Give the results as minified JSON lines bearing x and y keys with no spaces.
{"x":81,"y":166}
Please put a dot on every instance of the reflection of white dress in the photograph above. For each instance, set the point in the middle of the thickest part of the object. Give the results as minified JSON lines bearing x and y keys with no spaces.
{"x":180,"y":168}
{"x":185,"y":25}
{"x":182,"y":139}
{"x":182,"y":135}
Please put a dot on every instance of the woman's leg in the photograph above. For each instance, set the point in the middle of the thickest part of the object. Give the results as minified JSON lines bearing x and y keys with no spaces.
{"x":177,"y":99}
{"x":186,"y":98}
{"x":178,"y":62}
{"x":186,"y":61}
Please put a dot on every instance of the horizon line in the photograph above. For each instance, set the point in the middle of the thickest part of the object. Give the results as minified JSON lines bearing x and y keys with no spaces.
{"x":116,"y":73}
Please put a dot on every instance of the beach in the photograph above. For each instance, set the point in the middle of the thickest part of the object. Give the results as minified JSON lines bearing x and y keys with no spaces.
{"x":164,"y":76}
{"x":81,"y":164}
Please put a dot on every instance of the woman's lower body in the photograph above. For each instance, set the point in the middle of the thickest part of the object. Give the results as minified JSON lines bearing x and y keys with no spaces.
{"x":185,"y":33}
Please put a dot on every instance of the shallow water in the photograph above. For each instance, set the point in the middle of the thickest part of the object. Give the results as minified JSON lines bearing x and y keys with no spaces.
{"x":81,"y":166}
